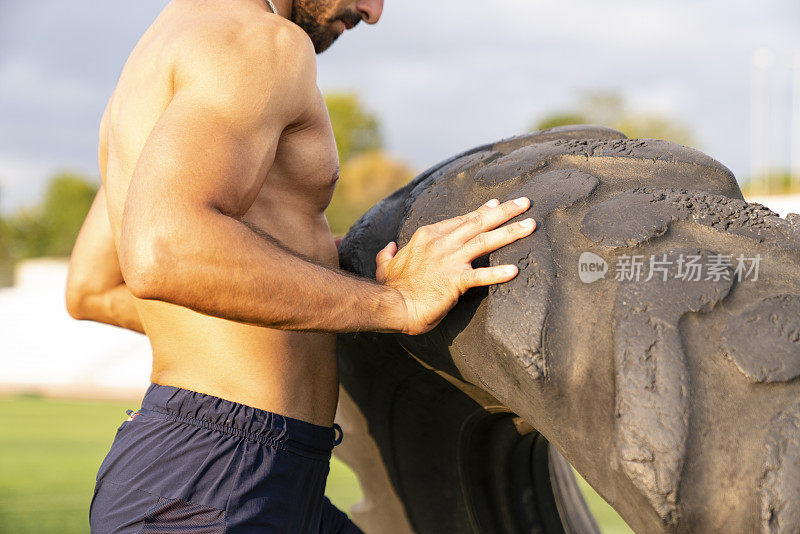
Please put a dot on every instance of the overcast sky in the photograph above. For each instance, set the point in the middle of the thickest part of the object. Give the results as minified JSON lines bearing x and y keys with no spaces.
{"x":442,"y":75}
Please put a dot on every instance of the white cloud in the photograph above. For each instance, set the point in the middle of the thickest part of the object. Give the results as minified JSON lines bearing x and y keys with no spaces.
{"x":21,"y":180}
{"x":26,"y":81}
{"x":495,"y":68}
{"x":662,"y":98}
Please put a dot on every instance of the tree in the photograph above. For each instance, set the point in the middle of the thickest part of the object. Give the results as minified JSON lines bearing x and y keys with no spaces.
{"x":367,"y":174}
{"x":355,"y":129}
{"x":6,"y":260}
{"x":364,"y":180}
{"x":5,"y":239}
{"x":50,"y":228}
{"x":610,"y":109}
{"x":774,"y":183}
{"x":66,"y":203}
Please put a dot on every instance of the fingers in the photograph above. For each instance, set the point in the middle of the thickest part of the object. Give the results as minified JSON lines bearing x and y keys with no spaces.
{"x":382,"y":258}
{"x":491,"y":215}
{"x":448,"y":225}
{"x":490,"y":241}
{"x":485,"y":276}
{"x":387,"y":252}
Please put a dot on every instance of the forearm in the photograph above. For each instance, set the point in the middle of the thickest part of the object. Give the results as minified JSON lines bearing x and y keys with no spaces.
{"x":235,"y":274}
{"x":115,"y":307}
{"x":95,"y":289}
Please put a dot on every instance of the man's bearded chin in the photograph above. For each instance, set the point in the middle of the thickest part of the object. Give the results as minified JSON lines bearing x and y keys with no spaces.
{"x":310,"y":16}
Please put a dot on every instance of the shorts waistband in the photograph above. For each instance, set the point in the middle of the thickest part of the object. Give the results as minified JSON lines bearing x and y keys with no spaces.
{"x":233,"y":418}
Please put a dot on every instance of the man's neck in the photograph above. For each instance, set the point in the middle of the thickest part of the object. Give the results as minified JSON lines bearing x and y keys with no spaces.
{"x":283,"y":7}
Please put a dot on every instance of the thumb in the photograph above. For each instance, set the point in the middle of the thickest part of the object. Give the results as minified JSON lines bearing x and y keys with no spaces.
{"x":382,"y":258}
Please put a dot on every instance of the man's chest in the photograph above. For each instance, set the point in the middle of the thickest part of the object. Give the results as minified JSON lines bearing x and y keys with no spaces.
{"x":305,"y":167}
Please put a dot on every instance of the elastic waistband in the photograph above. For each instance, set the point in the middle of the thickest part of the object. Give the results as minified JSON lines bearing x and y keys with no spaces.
{"x":232,"y":418}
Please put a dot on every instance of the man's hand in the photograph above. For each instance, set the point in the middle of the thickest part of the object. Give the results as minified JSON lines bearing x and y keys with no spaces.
{"x":434,"y":269}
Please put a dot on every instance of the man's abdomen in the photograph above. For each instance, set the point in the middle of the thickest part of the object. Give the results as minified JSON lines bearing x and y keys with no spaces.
{"x":287,"y":372}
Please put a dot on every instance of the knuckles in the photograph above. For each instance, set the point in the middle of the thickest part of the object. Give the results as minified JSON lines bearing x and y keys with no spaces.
{"x":479,"y":242}
{"x":424,"y":232}
{"x":475,"y":219}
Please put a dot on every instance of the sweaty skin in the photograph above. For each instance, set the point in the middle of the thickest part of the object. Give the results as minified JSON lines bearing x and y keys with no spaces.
{"x":218,"y":160}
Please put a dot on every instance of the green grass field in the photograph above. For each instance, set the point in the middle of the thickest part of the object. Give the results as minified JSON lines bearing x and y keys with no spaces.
{"x":50,"y":451}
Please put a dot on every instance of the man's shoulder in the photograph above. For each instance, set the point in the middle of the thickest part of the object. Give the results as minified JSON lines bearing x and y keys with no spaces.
{"x":266,"y":37}
{"x":266,"y":49}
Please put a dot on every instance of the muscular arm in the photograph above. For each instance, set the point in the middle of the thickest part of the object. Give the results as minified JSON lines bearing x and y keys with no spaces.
{"x":183,"y":239}
{"x":95,"y":288}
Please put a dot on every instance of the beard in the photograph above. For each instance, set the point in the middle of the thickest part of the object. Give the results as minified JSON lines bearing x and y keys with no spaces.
{"x":311,"y":16}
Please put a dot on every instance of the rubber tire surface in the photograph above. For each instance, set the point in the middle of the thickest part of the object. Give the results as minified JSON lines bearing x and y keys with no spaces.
{"x":678,"y":400}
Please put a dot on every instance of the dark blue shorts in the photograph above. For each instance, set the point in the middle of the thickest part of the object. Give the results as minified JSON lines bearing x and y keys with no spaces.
{"x":189,"y":462}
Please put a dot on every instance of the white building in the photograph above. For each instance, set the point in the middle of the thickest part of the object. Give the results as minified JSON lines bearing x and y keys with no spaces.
{"x":44,"y":350}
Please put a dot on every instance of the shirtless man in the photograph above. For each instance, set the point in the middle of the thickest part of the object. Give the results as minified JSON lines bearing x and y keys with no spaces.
{"x":208,"y":234}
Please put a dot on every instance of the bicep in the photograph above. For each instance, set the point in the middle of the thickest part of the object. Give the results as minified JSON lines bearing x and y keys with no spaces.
{"x":198,"y":164}
{"x":199,"y":156}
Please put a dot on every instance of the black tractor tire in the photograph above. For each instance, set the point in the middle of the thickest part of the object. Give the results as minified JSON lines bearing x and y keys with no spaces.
{"x":678,"y":400}
{"x":436,"y":454}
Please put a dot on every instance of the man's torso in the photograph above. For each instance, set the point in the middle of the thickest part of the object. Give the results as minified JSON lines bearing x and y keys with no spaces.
{"x":292,"y":373}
